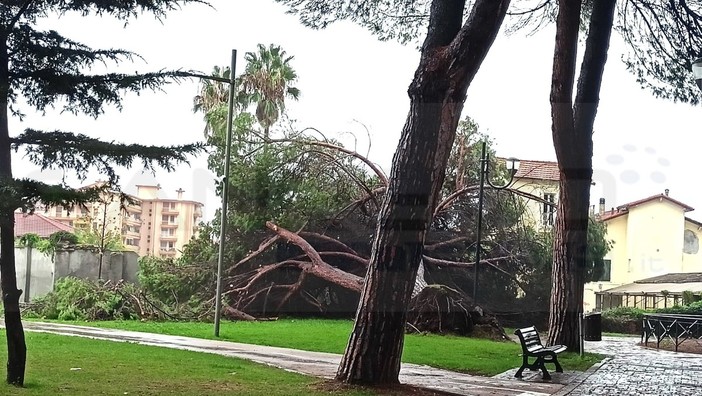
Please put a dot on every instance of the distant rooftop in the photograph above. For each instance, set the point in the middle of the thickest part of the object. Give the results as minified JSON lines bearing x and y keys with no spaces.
{"x":37,"y":224}
{"x":540,"y":170}
{"x":624,"y":209}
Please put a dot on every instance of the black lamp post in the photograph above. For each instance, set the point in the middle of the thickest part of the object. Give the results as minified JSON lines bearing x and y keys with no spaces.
{"x":513,"y":165}
{"x":697,"y":71}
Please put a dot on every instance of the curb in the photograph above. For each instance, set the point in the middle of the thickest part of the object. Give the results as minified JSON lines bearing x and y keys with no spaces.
{"x":581,"y":378}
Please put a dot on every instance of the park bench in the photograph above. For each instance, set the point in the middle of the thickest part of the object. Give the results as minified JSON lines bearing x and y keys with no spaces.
{"x":532,"y":347}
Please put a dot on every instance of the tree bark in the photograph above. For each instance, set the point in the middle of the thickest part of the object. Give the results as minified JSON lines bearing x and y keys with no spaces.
{"x":451,"y":56}
{"x":16,"y":347}
{"x":572,"y":127}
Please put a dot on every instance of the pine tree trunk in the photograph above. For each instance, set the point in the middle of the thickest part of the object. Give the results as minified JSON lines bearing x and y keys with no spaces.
{"x":16,"y":347}
{"x":451,"y":56}
{"x":572,"y":138}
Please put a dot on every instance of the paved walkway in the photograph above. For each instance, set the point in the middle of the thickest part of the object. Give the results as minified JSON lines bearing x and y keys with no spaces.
{"x":630,"y":369}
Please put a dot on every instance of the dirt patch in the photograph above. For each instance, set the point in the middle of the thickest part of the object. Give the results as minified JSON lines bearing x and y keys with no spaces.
{"x":688,"y":346}
{"x":395,"y":390}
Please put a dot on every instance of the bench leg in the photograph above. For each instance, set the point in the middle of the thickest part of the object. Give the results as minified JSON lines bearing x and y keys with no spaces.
{"x":542,"y":365}
{"x":559,"y":369}
{"x":525,"y":364}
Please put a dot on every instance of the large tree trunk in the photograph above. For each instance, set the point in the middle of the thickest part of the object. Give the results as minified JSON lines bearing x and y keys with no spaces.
{"x":451,"y":56}
{"x":16,"y":347}
{"x":572,"y":137}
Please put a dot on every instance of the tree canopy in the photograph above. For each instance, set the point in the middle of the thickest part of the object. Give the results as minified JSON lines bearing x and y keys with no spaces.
{"x":44,"y":69}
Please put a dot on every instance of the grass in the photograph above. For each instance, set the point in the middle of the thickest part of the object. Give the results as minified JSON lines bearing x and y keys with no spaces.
{"x":470,"y":355}
{"x":79,"y":366}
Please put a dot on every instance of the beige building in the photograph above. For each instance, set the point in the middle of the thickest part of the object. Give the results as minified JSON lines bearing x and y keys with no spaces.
{"x":149,"y":225}
{"x":652,"y":237}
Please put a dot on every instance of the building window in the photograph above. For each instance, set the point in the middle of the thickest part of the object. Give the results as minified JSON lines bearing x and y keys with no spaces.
{"x":167,"y":246}
{"x":59,"y":211}
{"x":132,"y":242}
{"x":169,"y":206}
{"x":548,"y":209}
{"x":167,"y":232}
{"x":169,"y":219}
{"x":606,"y":273}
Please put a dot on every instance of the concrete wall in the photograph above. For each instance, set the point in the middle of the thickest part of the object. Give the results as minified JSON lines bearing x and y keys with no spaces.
{"x":45,"y":271}
{"x":41,"y":273}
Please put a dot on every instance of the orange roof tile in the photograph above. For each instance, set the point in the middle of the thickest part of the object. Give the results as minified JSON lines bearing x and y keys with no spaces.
{"x":540,"y":170}
{"x":37,"y":224}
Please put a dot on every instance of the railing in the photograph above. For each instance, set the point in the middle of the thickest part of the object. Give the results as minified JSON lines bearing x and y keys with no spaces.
{"x":677,"y":328}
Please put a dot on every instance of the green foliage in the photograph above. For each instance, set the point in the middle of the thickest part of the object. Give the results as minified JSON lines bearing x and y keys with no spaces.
{"x":692,"y":308}
{"x":112,"y":241}
{"x":49,"y":70}
{"x":201,"y":248}
{"x":80,"y":299}
{"x":35,"y":241}
{"x":624,"y":312}
{"x":48,"y":246}
{"x":180,"y":289}
{"x":399,"y":20}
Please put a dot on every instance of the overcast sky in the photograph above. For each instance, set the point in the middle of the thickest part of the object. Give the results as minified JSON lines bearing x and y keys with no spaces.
{"x":348,"y":78}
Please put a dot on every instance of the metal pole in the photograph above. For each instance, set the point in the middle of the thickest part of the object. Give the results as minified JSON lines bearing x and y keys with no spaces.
{"x":225,"y":195}
{"x":581,"y":318}
{"x":102,"y":239}
{"x":483,"y":170}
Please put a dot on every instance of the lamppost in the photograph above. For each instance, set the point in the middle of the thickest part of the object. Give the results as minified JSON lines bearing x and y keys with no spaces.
{"x":485,"y":178}
{"x":697,"y":71}
{"x":225,"y":182}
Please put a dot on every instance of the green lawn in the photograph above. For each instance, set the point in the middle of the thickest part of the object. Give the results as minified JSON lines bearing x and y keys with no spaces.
{"x":471,"y":355}
{"x":80,"y":366}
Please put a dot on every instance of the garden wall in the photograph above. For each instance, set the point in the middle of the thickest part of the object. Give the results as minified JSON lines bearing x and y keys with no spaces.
{"x":37,"y":272}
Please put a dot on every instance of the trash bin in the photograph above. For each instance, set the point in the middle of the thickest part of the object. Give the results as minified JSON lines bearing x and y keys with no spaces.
{"x":592,"y":326}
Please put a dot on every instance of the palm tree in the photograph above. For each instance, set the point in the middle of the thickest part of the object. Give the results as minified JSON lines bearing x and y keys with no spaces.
{"x":266,"y":82}
{"x":213,"y":96}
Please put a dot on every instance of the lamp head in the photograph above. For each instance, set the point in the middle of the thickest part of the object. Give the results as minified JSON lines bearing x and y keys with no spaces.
{"x":512,"y":165}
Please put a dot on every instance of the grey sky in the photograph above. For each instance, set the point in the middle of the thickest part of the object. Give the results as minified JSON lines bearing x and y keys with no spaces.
{"x":347,"y":77}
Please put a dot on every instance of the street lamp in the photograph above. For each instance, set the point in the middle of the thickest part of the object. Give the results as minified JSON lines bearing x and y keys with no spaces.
{"x":225,"y":182}
{"x":513,"y":166}
{"x":697,"y":71}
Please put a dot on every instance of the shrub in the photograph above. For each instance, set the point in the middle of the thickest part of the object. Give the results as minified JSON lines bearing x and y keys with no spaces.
{"x":80,"y":299}
{"x":179,"y":289}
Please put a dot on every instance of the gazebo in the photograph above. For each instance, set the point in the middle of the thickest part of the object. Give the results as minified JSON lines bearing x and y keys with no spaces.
{"x":658,"y":292}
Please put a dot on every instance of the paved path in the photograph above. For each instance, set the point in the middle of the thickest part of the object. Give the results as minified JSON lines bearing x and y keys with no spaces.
{"x":632,"y":370}
{"x":629,"y":370}
{"x":317,"y":364}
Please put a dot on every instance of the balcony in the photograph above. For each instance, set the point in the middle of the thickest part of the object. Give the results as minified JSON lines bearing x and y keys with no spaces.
{"x":168,"y":224}
{"x":133,"y":209}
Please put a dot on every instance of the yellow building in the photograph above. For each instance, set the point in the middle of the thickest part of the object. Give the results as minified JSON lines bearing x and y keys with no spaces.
{"x":149,"y":225}
{"x":652,"y":237}
{"x":539,"y":179}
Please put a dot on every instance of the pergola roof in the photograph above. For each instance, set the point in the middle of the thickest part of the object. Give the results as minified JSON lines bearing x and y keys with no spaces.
{"x":640,"y":289}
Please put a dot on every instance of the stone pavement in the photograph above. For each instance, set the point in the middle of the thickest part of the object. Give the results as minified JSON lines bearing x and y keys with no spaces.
{"x":629,"y":369}
{"x":633,"y":370}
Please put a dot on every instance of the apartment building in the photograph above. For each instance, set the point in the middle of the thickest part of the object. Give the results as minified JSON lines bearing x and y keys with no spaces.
{"x":149,"y":225}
